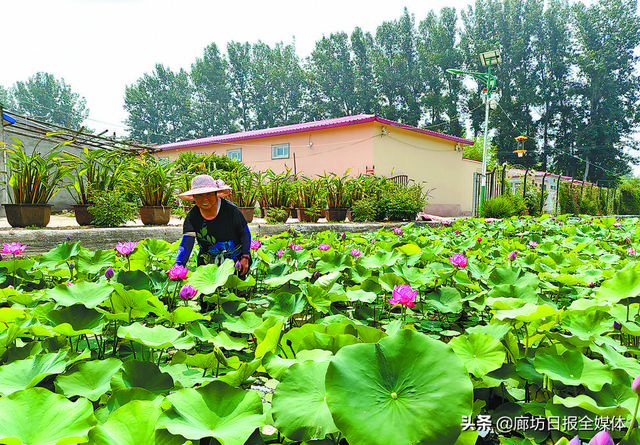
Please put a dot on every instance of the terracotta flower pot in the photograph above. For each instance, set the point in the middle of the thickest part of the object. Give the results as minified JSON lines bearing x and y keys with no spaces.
{"x":336,"y":215}
{"x":248,"y":213}
{"x":155,"y":215}
{"x":24,"y":215}
{"x":303,"y":216}
{"x":81,"y":212}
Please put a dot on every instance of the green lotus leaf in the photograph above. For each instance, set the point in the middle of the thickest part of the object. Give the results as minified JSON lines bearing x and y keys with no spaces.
{"x":22,"y":298}
{"x":616,"y":360}
{"x":157,"y":248}
{"x":157,"y":337}
{"x":299,"y":405}
{"x":400,"y":381}
{"x":204,"y":361}
{"x":381,"y":258}
{"x":286,"y":305}
{"x":480,"y":353}
{"x":268,"y":336}
{"x":235,"y":283}
{"x":409,"y":249}
{"x":585,"y":402}
{"x":587,"y":324}
{"x":317,"y":297}
{"x":224,"y":341}
{"x":182,"y":315}
{"x":242,"y":374}
{"x":208,"y":278}
{"x":624,"y":284}
{"x":527,"y":313}
{"x":333,"y":261}
{"x":292,"y":339}
{"x":10,"y":315}
{"x":121,"y":397}
{"x":132,"y":423}
{"x":246,"y":323}
{"x":134,"y":303}
{"x":88,"y":262}
{"x":59,"y":254}
{"x":76,"y":320}
{"x":445,"y":299}
{"x":298,"y":275}
{"x":88,"y":379}
{"x":142,"y":374}
{"x":215,"y":410}
{"x":134,"y":279}
{"x":326,"y":281}
{"x":85,"y":293}
{"x":572,"y":368}
{"x":496,"y":329}
{"x":389,"y":280}
{"x":24,"y":374}
{"x":333,"y":343}
{"x":36,"y":416}
{"x":513,"y":276}
{"x":362,"y":295}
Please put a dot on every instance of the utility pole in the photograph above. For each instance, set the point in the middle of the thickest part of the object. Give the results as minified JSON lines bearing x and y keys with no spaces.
{"x":487,"y":59}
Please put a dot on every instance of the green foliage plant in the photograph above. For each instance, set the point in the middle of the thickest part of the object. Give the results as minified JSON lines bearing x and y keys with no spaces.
{"x":277,"y":215}
{"x":112,"y":208}
{"x":152,"y":180}
{"x":276,"y":189}
{"x":364,"y":210}
{"x":503,"y":206}
{"x":336,"y":189}
{"x":244,"y":186}
{"x":628,"y":197}
{"x":401,"y":203}
{"x":32,"y":177}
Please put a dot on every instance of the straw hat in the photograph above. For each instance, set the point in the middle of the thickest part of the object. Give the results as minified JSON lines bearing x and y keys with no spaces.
{"x":205,"y":184}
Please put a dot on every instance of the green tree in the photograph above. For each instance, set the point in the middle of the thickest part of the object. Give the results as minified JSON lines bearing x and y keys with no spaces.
{"x":213,"y":110}
{"x":5,"y":98}
{"x":159,"y":106}
{"x":396,"y":70}
{"x":362,"y":45}
{"x":240,"y":77}
{"x":44,"y":97}
{"x":607,"y":34}
{"x":437,"y":52}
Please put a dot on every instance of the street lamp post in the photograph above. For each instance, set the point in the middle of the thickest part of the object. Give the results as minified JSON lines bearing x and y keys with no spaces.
{"x":487,"y":59}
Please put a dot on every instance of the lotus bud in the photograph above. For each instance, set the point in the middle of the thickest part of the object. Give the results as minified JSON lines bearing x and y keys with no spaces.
{"x":617,"y":325}
{"x":574,"y":441}
{"x":238,"y":266}
{"x":635,"y":385}
{"x":68,"y":238}
{"x":71,"y":265}
{"x":109,"y":273}
{"x":187,"y":292}
{"x":602,"y":438}
{"x":512,"y":255}
{"x":316,"y":275}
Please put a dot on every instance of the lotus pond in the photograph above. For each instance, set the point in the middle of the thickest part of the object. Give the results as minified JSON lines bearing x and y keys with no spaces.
{"x":521,"y":331}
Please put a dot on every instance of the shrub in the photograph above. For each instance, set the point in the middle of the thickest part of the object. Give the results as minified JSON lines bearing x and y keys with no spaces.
{"x":627,"y":200}
{"x":277,"y":215}
{"x":112,"y":209}
{"x":503,"y":206}
{"x":401,"y":203}
{"x":364,"y":210}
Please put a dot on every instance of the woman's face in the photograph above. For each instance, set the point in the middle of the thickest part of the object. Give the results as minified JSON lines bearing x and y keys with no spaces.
{"x":206,"y":201}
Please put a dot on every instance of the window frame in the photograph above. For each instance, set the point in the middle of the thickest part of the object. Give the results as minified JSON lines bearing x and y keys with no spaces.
{"x":234,"y":151}
{"x":274,"y":149}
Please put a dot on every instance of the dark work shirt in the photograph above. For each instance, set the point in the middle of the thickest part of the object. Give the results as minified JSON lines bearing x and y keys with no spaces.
{"x":225,"y":236}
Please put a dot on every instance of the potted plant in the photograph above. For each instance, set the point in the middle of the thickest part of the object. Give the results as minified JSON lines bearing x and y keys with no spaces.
{"x":34,"y":179}
{"x":154,"y":182}
{"x":277,"y":192}
{"x":308,"y":199}
{"x":244,"y":189}
{"x":96,"y":170}
{"x":337,"y":195}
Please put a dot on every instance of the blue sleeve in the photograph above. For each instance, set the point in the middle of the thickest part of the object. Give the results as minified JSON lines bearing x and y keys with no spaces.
{"x":245,"y":239}
{"x":184,"y":249}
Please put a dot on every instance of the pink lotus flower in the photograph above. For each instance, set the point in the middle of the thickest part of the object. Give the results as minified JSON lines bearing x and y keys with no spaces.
{"x":458,"y":260}
{"x":397,"y":231}
{"x":457,"y":232}
{"x":488,"y":220}
{"x":615,"y":224}
{"x":635,"y":385}
{"x":631,"y":251}
{"x":324,"y":246}
{"x":295,"y":247}
{"x":445,"y":222}
{"x":187,"y":292}
{"x":255,"y":244}
{"x":126,"y":248}
{"x":69,"y":283}
{"x":356,"y":252}
{"x":602,"y":438}
{"x":279,"y":253}
{"x":533,"y":244}
{"x":402,"y":294}
{"x":574,"y":441}
{"x":13,"y":248}
{"x":512,"y":255}
{"x":177,"y":272}
{"x":479,"y":239}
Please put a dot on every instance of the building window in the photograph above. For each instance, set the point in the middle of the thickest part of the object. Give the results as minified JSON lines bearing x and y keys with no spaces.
{"x":235,"y":154}
{"x":280,"y":151}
